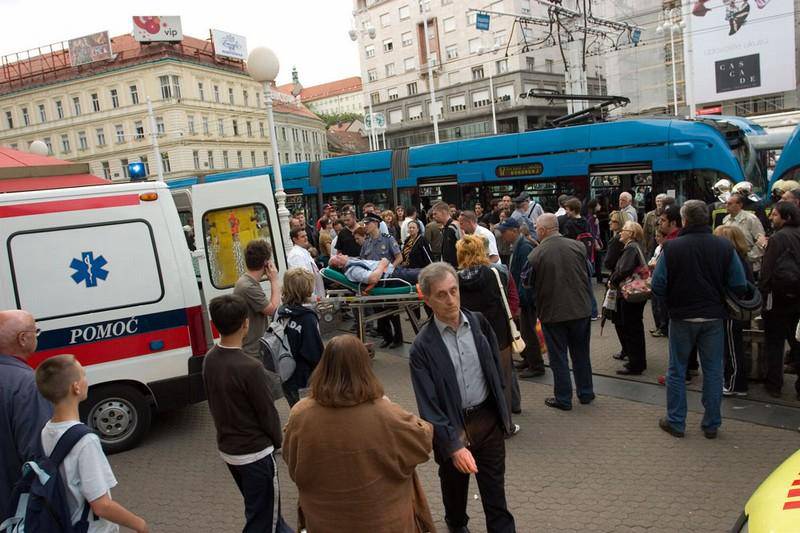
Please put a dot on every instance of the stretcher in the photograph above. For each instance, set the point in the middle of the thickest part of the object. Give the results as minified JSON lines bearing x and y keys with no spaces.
{"x":392,"y":296}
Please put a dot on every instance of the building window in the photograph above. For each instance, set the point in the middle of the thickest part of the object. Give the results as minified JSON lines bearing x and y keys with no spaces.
{"x":500,"y":38}
{"x":261,"y":129}
{"x":26,"y":119}
{"x":387,"y":45}
{"x":139,"y":129}
{"x":125,"y":170}
{"x":375,"y":97}
{"x":407,"y":39}
{"x":393,"y":94}
{"x":530,"y":64}
{"x":385,"y":20}
{"x":245,"y":97}
{"x":239,"y":158}
{"x":415,"y":112}
{"x":59,"y":109}
{"x":134,"y":94}
{"x":42,"y":114}
{"x":369,"y":50}
{"x":206,"y":129}
{"x":372,"y":75}
{"x":114,"y":98}
{"x":249,"y":128}
{"x":10,"y":120}
{"x":412,"y":88}
{"x":449,"y":24}
{"x":451,"y":52}
{"x":501,"y":66}
{"x":235,"y":127}
{"x":548,"y":65}
{"x":65,"y":144}
{"x":200,"y":91}
{"x":404,"y":12}
{"x":477,"y":72}
{"x":216,"y":93}
{"x":225,"y":162}
{"x":266,"y":159}
{"x":480,"y":98}
{"x":146,"y":164}
{"x":83,"y":144}
{"x":119,"y":131}
{"x":101,"y":136}
{"x":253,"y":158}
{"x":389,"y":69}
{"x":452,"y":78}
{"x":165,"y":164}
{"x":76,"y":106}
{"x":170,"y":87}
{"x":457,"y":103}
{"x":258,"y":99}
{"x":472,"y":17}
{"x":474,"y":45}
{"x":210,"y":159}
{"x":106,"y":169}
{"x":221,"y":127}
{"x":283,"y":133}
{"x":409,"y":64}
{"x":160,"y":125}
{"x":49,"y":145}
{"x":191,"y":125}
{"x":95,"y":102}
{"x":196,"y":159}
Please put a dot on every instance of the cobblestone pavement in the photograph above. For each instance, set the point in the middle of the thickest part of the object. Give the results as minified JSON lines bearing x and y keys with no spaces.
{"x":603,"y":467}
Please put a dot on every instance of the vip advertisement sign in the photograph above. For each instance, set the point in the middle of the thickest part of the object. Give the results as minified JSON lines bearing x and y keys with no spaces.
{"x":90,"y":48}
{"x":740,"y":48}
{"x":151,"y":29}
{"x":228,"y":44}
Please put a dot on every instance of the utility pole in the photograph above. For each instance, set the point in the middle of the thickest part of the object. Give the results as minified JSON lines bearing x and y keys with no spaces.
{"x":426,"y":51}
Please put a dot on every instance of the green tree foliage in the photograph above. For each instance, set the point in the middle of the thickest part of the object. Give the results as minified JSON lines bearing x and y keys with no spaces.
{"x":335,"y":118}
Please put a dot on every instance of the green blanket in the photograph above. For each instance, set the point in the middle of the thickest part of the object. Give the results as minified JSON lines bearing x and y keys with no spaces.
{"x":338,"y":277}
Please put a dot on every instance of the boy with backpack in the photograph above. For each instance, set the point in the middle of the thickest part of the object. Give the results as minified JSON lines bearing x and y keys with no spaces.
{"x":84,"y":472}
{"x":243,"y":409}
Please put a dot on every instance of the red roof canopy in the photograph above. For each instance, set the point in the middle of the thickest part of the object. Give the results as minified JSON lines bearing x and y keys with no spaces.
{"x":24,"y":171}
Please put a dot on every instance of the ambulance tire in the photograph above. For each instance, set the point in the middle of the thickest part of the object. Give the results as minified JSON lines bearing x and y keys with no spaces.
{"x":120,"y":415}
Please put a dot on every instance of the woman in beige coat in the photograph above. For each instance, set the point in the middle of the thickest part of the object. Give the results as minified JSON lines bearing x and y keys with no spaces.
{"x":352,"y":453}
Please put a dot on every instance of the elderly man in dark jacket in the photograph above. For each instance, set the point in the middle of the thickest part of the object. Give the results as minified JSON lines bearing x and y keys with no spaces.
{"x":23,"y":411}
{"x":533,"y":365}
{"x":456,"y":374}
{"x":692,"y":275}
{"x":561,"y":282}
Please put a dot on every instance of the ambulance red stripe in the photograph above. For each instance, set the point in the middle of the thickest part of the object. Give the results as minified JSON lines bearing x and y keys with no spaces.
{"x":791,"y":505}
{"x":93,"y":353}
{"x":59,"y":206}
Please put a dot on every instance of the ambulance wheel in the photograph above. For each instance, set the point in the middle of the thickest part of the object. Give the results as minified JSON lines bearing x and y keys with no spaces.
{"x":119,"y":414}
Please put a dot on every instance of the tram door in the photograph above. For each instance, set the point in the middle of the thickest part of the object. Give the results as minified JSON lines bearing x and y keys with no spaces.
{"x":438,"y":189}
{"x":609,"y":183}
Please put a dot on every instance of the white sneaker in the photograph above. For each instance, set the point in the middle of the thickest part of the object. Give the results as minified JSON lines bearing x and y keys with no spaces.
{"x":514,"y":429}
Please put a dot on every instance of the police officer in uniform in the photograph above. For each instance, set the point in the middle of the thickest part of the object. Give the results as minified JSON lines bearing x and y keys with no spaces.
{"x":379,"y":246}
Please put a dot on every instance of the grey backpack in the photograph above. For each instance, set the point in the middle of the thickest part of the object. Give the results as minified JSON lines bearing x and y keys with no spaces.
{"x":275,"y":351}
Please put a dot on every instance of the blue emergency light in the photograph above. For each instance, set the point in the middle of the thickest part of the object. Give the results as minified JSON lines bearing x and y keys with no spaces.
{"x":137,"y":171}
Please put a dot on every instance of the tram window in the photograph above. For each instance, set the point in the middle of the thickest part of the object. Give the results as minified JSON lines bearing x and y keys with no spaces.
{"x":470,"y":195}
{"x":294,"y":202}
{"x":379,"y":198}
{"x":688,"y":185}
{"x":409,"y":196}
{"x":227,"y":232}
{"x":340,"y":200}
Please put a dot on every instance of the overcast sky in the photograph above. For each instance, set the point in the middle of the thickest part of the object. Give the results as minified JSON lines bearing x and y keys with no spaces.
{"x":308,"y":34}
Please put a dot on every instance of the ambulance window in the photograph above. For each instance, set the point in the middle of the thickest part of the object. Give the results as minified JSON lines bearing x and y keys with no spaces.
{"x":227,"y":232}
{"x":87,"y":269}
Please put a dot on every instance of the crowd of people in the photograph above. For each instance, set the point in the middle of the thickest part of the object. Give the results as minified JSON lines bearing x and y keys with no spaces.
{"x":492,"y":280}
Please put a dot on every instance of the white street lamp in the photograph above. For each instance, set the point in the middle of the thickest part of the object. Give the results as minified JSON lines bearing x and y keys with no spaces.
{"x":493,"y":50}
{"x":39,"y":148}
{"x":373,"y":135}
{"x":673,"y":22}
{"x":263,"y":66}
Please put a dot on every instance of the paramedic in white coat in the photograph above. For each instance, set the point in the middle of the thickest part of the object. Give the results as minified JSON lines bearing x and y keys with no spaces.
{"x":298,"y":257}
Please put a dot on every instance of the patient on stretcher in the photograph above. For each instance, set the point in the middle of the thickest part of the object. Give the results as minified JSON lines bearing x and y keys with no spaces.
{"x":369,"y":272}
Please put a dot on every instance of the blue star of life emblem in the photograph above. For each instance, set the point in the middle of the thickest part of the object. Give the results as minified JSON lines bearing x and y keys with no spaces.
{"x":88,"y":269}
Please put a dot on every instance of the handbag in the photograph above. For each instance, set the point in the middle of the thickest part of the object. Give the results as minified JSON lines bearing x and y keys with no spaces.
{"x":517,"y":344}
{"x":636,"y":287}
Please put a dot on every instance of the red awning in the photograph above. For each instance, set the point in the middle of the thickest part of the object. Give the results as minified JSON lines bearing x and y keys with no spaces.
{"x":50,"y":182}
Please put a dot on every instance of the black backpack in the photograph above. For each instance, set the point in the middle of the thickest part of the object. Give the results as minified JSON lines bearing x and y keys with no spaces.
{"x":39,"y":500}
{"x":785,"y":278}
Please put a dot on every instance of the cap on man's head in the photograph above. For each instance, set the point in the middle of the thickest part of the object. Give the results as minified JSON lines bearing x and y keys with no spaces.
{"x":523,"y":197}
{"x":327,"y":206}
{"x":509,"y":223}
{"x":371,"y":217}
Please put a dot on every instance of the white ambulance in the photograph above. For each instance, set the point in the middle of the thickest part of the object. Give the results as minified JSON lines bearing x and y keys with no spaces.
{"x":108,"y":274}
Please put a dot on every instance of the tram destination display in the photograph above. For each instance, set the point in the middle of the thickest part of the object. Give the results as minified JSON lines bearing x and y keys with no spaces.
{"x":515,"y":171}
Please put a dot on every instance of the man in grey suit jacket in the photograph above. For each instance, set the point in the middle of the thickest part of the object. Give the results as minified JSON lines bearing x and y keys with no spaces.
{"x":455,"y":371}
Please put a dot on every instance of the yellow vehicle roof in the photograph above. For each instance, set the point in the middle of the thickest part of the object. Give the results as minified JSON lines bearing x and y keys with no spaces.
{"x":775,"y":505}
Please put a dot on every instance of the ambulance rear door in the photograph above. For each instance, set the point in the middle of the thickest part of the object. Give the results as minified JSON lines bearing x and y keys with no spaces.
{"x":227,"y":215}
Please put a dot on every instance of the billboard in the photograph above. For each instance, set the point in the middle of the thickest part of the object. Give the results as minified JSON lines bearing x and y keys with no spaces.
{"x":741,"y":48}
{"x":90,"y":48}
{"x":229,"y":44}
{"x":151,"y":29}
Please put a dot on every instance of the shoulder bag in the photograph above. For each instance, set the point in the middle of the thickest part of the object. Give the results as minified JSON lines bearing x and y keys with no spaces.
{"x":517,"y":344}
{"x":636,"y":287}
